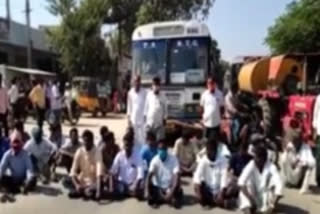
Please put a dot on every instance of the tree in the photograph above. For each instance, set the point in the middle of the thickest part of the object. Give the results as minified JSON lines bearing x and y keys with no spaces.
{"x":298,"y":29}
{"x":77,"y":38}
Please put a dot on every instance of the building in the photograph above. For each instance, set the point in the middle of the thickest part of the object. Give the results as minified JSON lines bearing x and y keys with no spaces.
{"x":14,"y":43}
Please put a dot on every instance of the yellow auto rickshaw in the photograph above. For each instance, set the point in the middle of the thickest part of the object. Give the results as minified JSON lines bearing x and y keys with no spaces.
{"x":92,"y":95}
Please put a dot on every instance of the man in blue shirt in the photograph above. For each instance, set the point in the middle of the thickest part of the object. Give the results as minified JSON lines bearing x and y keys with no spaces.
{"x":18,"y":163}
{"x":149,"y":151}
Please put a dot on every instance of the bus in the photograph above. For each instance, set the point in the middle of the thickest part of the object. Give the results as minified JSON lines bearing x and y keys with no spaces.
{"x":178,"y":53}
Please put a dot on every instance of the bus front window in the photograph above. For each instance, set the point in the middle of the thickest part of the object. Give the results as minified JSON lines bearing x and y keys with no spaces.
{"x":149,"y":59}
{"x":188,"y":61}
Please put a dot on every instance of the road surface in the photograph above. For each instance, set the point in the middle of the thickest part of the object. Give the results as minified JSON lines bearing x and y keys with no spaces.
{"x":53,"y":199}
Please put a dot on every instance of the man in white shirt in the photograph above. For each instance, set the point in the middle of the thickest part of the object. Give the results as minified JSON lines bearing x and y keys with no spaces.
{"x":55,"y":104}
{"x":42,"y":153}
{"x":163,"y":182}
{"x":316,"y":127}
{"x":127,"y":171}
{"x":297,"y":162}
{"x":210,"y":179}
{"x":211,"y":103}
{"x":155,"y":110}
{"x":4,"y":107}
{"x":135,"y":110}
{"x":13,"y":97}
{"x":260,"y":184}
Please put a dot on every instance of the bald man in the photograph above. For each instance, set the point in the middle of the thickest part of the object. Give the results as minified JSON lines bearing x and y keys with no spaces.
{"x":135,"y":110}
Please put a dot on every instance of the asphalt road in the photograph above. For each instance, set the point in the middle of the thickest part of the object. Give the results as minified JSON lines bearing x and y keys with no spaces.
{"x":53,"y":199}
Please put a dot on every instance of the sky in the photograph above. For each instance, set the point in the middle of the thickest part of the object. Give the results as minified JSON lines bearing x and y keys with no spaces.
{"x":239,"y":26}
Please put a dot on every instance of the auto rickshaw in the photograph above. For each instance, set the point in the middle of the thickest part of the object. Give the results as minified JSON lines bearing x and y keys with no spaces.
{"x":92,"y":95}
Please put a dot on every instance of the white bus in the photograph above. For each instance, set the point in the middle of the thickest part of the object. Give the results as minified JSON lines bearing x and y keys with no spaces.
{"x":179,"y":54}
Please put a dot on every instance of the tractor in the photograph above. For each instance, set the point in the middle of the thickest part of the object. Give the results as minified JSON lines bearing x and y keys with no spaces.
{"x":285,"y":88}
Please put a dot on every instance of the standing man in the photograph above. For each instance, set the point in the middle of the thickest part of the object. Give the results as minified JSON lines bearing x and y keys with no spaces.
{"x":4,"y":107}
{"x":14,"y":96}
{"x":135,"y":110}
{"x":155,"y":110}
{"x":38,"y":98}
{"x":211,"y":102}
{"x":55,"y":104}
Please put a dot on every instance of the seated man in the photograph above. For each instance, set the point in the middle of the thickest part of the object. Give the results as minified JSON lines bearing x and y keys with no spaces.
{"x":56,"y":135}
{"x":20,"y":128}
{"x":210,"y":179}
{"x":260,"y":184}
{"x":16,"y":171}
{"x":83,"y":171}
{"x":106,"y":154}
{"x":222,"y":149}
{"x":163,"y":182}
{"x":186,"y":152}
{"x":43,"y":154}
{"x":297,"y":163}
{"x":239,"y":161}
{"x":149,"y":151}
{"x":127,"y":170}
{"x":104,"y":134}
{"x":68,"y":150}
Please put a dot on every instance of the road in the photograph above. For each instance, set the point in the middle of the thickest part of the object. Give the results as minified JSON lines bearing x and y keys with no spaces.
{"x":53,"y":199}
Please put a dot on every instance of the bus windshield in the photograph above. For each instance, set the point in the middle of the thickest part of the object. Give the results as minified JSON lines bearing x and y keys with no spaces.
{"x":188,"y":61}
{"x":149,"y":59}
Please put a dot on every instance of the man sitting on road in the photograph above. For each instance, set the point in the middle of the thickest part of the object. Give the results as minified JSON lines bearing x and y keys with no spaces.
{"x":104,"y":135}
{"x":83,"y":171}
{"x":43,"y":154}
{"x":297,"y":162}
{"x":16,"y":172}
{"x":163,"y":182}
{"x":19,"y":126}
{"x":149,"y":151}
{"x":260,"y":184}
{"x":222,"y":149}
{"x":68,"y":150}
{"x":106,"y":154}
{"x":186,"y":152}
{"x":210,"y":179}
{"x":127,"y":171}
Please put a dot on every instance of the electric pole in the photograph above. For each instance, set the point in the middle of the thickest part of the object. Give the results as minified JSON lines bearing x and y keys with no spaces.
{"x":29,"y":39}
{"x":8,"y":9}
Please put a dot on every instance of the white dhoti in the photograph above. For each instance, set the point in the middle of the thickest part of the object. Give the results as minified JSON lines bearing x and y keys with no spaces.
{"x":300,"y":175}
{"x":264,"y":198}
{"x":139,"y":134}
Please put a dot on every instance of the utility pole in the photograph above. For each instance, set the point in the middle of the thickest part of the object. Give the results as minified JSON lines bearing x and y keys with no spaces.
{"x":29,"y":39}
{"x":8,"y":9}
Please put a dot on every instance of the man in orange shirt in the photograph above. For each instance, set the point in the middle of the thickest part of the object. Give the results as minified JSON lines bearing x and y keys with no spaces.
{"x":38,"y":99}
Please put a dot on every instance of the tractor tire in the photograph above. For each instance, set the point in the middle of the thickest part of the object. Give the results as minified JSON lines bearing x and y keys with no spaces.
{"x":267,"y":115}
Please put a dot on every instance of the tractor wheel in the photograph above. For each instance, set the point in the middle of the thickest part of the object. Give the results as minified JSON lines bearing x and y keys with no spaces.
{"x":267,"y":115}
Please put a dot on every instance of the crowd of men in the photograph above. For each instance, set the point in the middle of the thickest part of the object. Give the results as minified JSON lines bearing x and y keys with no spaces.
{"x":144,"y":167}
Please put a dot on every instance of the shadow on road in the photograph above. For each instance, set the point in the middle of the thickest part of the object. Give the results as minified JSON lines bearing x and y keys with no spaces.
{"x":189,"y":200}
{"x":47,"y":191}
{"x":288,"y":208}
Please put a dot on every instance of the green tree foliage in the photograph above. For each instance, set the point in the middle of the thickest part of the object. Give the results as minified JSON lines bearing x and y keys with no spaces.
{"x":77,"y":39}
{"x":298,"y":29}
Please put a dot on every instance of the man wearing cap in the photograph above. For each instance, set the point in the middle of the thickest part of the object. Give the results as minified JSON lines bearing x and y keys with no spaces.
{"x":16,"y":172}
